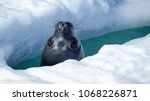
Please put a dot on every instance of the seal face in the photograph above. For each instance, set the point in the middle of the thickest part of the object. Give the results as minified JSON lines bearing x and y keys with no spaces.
{"x":62,"y":45}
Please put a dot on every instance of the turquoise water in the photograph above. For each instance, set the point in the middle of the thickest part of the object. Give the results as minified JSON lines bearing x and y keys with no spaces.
{"x":92,"y":46}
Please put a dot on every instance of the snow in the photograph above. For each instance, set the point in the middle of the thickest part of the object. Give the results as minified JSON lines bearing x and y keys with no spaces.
{"x":25,"y":25}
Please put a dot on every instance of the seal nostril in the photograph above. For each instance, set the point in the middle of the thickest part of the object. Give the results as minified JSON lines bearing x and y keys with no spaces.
{"x":62,"y":26}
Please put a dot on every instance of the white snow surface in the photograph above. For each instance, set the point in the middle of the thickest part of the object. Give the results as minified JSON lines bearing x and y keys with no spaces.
{"x":25,"y":25}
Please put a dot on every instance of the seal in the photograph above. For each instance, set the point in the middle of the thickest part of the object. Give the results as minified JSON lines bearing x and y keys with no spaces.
{"x":62,"y":45}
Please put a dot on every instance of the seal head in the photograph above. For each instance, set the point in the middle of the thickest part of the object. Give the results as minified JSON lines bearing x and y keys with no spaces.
{"x":62,"y":45}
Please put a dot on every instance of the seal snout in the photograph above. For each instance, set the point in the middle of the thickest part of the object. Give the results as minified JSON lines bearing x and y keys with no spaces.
{"x":64,"y":26}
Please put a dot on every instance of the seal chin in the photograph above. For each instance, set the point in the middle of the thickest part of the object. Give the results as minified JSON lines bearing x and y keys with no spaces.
{"x":62,"y":45}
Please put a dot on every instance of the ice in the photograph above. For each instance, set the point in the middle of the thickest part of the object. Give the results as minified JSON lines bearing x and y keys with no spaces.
{"x":25,"y":25}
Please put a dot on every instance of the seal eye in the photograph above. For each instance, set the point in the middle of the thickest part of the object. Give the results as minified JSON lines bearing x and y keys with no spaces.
{"x":50,"y":42}
{"x":73,"y":45}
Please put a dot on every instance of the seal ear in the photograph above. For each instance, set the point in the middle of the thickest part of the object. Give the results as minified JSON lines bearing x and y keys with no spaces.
{"x":50,"y":42}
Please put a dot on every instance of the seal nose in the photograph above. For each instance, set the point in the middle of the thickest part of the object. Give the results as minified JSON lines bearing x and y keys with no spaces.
{"x":64,"y":25}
